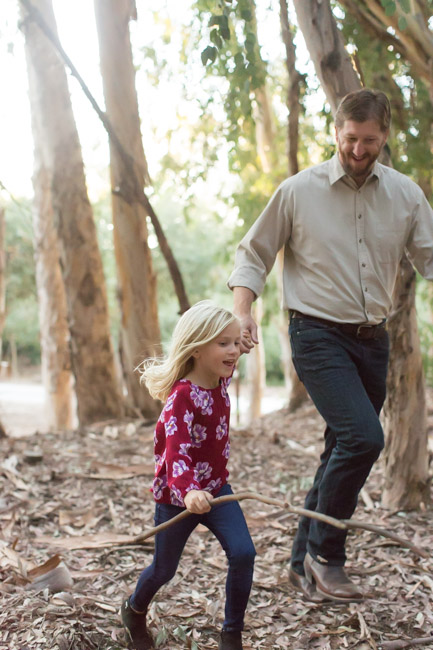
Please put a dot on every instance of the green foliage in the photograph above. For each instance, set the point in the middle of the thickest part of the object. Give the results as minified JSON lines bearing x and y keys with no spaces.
{"x":21,"y":325}
{"x":22,"y":318}
{"x":390,"y":6}
{"x":235,"y":51}
{"x":200,"y":244}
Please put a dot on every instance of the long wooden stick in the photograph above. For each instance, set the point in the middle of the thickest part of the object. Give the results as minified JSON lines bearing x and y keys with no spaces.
{"x":343,"y":524}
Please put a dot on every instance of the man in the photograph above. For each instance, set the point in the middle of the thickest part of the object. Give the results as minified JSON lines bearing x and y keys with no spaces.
{"x":344,"y":225}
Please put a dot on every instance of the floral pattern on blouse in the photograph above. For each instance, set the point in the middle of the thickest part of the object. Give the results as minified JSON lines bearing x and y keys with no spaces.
{"x":191,"y":442}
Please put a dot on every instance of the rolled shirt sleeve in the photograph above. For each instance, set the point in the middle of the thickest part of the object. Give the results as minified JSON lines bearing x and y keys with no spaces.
{"x":256,"y":253}
{"x":420,"y":242}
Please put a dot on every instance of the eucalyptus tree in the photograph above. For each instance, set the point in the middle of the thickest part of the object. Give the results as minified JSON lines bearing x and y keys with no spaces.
{"x":139,"y":328}
{"x":53,"y":326}
{"x":92,"y":359}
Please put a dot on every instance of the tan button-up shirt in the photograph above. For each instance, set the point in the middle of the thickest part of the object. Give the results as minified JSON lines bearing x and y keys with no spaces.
{"x":342,"y":244}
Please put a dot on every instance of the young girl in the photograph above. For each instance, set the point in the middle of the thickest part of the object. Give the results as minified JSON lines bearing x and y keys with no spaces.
{"x":191,"y":453}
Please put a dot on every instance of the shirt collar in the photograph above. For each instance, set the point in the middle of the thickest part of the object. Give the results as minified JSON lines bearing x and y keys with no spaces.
{"x":336,"y":171}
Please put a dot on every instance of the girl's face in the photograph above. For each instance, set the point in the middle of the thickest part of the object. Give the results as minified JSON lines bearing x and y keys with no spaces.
{"x":218,"y":358}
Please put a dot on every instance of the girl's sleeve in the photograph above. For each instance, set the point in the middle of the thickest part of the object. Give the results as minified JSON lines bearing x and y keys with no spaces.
{"x":178,"y":425}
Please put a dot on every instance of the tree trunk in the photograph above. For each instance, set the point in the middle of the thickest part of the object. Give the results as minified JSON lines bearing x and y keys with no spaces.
{"x":296,"y":390}
{"x":54,"y":333}
{"x":337,"y":76}
{"x":326,"y":47}
{"x":140,"y":336}
{"x":294,"y":79}
{"x":96,"y":386}
{"x":406,"y":457}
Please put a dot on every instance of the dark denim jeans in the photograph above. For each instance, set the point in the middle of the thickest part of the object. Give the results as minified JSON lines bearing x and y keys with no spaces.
{"x":227,"y":523}
{"x":346,"y":378}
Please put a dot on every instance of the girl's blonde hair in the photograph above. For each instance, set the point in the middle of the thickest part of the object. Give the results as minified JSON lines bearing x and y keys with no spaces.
{"x":201,"y":324}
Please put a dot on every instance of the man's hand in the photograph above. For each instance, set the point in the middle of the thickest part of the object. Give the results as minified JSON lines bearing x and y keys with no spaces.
{"x":198,"y":501}
{"x":242,"y":300}
{"x":248,"y":334}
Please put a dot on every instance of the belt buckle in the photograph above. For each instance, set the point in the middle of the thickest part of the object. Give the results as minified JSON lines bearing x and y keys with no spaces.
{"x":368,"y":329}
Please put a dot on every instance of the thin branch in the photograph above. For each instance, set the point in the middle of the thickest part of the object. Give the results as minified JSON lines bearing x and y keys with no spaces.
{"x":135,"y":191}
{"x":344,"y":524}
{"x":402,"y":645}
{"x":401,"y":541}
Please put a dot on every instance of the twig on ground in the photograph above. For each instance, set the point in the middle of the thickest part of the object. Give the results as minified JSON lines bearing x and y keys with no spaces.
{"x":365,"y":632}
{"x":402,"y":645}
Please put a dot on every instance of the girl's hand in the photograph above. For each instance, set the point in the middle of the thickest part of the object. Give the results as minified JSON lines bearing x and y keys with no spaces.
{"x":249,"y":336}
{"x":198,"y":501}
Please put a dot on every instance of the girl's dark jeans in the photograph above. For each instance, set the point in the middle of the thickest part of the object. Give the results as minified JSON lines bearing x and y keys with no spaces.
{"x":227,"y":523}
{"x":346,"y":379}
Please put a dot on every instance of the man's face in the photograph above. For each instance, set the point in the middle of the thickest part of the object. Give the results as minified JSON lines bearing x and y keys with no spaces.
{"x":359,"y":145}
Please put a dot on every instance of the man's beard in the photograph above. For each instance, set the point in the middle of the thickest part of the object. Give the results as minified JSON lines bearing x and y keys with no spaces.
{"x":359,"y":170}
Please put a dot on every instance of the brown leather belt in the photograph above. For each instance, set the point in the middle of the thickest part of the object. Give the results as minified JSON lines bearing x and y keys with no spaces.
{"x":363,"y":331}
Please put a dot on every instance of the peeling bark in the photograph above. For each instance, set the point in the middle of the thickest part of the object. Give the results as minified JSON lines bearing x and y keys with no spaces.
{"x":96,"y":387}
{"x":140,"y":336}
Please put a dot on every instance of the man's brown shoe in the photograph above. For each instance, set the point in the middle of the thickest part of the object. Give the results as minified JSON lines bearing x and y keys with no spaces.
{"x":308,"y":590}
{"x":331,"y":581}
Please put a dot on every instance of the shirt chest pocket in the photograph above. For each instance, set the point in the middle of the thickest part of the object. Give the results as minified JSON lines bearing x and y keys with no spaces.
{"x":389,"y":245}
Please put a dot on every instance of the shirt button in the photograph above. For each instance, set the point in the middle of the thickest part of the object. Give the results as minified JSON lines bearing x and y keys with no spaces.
{"x":364,"y":265}
{"x":365,"y":289}
{"x":360,"y":241}
{"x":359,"y":216}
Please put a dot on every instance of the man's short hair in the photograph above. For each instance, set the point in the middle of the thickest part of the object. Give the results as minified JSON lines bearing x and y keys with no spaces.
{"x":362,"y":105}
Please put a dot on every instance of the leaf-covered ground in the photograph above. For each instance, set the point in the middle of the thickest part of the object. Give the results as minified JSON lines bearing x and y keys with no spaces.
{"x":74,"y":496}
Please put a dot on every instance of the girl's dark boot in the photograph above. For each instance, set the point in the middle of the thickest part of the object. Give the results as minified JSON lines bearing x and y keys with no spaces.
{"x":230,"y":641}
{"x":135,"y":626}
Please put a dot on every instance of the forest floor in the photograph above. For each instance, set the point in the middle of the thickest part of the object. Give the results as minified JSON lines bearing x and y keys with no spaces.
{"x":76,"y":498}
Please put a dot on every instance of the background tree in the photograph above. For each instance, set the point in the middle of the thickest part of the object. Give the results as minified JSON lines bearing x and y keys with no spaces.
{"x":297,"y":392}
{"x":54,"y":332}
{"x":139,"y":329}
{"x":96,"y":382}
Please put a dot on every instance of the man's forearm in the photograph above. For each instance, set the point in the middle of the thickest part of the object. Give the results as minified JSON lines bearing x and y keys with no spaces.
{"x":243,"y":298}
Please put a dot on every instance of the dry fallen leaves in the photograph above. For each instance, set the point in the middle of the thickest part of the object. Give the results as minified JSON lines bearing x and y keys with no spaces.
{"x":90,"y":489}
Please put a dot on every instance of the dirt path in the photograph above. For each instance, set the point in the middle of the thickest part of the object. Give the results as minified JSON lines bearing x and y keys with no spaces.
{"x":22,"y":409}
